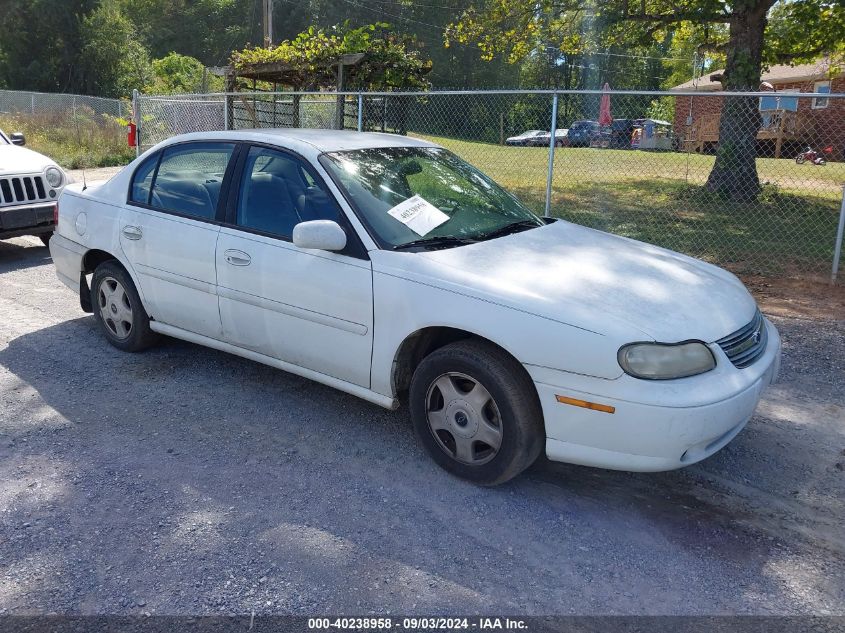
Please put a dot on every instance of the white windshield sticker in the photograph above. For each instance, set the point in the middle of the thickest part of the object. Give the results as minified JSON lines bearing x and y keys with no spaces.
{"x":419,"y":215}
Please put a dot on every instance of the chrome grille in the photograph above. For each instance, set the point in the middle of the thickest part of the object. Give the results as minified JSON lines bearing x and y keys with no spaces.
{"x":22,"y":190}
{"x":747,"y":344}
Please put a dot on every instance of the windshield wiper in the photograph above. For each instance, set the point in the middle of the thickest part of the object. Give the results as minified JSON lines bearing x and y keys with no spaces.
{"x":444,"y":241}
{"x":507,"y":229}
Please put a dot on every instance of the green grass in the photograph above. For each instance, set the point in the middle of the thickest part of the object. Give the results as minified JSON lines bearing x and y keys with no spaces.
{"x":73,"y":141}
{"x":658,"y":197}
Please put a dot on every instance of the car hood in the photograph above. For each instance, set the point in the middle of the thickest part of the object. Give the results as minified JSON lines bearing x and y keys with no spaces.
{"x":595,"y":281}
{"x":20,"y":160}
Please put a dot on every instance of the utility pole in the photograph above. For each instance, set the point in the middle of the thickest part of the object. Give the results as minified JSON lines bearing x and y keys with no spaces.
{"x":268,"y":22}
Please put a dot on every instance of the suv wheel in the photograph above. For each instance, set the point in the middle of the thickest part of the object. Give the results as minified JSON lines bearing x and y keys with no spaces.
{"x":476,"y":411}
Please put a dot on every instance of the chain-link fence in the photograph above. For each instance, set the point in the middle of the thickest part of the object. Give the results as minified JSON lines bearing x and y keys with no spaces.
{"x":74,"y":130}
{"x":33,"y":103}
{"x":752,"y":182}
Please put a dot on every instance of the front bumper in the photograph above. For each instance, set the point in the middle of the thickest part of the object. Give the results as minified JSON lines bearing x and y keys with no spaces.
{"x":28,"y":219}
{"x":674,"y":424}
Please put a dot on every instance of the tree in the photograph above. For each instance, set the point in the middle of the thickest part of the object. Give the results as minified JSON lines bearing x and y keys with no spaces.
{"x":41,"y":44}
{"x":112,"y":60}
{"x":175,"y":73}
{"x":515,"y":25}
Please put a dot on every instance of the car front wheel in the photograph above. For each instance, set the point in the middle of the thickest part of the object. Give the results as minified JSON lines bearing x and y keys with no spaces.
{"x":476,"y":411}
{"x":118,"y":309}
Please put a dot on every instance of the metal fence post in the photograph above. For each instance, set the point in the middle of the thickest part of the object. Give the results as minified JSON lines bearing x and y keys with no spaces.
{"x":837,"y":248}
{"x":360,"y":112}
{"x":136,"y":114}
{"x":552,"y":140}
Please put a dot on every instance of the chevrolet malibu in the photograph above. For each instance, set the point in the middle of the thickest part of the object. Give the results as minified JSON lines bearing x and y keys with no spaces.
{"x":388,"y":268}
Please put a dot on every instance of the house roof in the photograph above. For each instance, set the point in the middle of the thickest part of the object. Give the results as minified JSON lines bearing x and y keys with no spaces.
{"x":777,"y":74}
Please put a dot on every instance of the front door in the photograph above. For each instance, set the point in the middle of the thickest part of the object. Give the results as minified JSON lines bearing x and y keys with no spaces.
{"x":309,"y":308}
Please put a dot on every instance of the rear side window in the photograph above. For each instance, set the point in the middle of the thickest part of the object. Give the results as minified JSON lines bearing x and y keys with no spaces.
{"x":142,"y":181}
{"x":189,"y":179}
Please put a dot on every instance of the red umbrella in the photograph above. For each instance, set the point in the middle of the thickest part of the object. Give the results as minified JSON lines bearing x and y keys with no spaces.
{"x":605,"y":118}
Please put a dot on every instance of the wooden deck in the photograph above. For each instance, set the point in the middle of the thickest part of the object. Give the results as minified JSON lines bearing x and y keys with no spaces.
{"x":778,"y":126}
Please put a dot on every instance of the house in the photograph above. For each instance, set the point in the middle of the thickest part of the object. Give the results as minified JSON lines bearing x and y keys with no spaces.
{"x":789,"y":123}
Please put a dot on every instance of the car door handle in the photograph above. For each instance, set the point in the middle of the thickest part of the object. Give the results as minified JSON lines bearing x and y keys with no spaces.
{"x":237,"y":258}
{"x":132,"y":232}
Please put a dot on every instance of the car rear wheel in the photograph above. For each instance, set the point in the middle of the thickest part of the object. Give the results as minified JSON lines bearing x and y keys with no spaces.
{"x":118,"y":309}
{"x":476,"y":411}
{"x":45,"y":238}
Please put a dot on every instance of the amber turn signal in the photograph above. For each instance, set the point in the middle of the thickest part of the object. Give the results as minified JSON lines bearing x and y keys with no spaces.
{"x":595,"y":406}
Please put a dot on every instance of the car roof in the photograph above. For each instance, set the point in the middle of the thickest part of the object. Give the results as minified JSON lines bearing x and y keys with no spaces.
{"x":309,"y":139}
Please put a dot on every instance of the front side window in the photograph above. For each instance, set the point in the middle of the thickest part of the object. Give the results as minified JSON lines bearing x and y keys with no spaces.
{"x":277,"y":192}
{"x":189,"y":179}
{"x":406,"y":194}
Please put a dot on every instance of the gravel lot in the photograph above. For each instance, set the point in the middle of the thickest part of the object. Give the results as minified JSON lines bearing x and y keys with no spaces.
{"x":184,"y":481}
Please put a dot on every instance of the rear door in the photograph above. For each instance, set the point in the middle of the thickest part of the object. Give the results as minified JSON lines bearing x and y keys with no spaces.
{"x":309,"y":308}
{"x":169,"y":233}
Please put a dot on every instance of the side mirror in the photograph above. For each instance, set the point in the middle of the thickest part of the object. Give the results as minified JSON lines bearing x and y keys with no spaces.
{"x":323,"y":235}
{"x":17,"y":138}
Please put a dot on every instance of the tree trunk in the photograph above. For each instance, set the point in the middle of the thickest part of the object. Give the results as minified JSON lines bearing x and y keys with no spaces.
{"x":734,"y":173}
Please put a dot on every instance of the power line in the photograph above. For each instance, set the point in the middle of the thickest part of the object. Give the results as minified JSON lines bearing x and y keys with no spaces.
{"x":397,"y":5}
{"x":674,"y":59}
{"x":393,"y":15}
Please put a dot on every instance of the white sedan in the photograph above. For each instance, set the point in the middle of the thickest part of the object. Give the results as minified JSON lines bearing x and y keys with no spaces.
{"x":389,"y":268}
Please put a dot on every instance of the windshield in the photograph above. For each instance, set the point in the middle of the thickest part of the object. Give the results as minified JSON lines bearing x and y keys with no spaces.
{"x":3,"y":139}
{"x":408,"y":194}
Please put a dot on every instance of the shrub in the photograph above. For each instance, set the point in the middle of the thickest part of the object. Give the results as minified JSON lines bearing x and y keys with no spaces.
{"x":74,"y":141}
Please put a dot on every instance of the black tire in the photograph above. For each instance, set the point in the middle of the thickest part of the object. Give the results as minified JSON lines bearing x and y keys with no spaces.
{"x":800,"y":159}
{"x":138,"y":335}
{"x":514,"y":400}
{"x":45,"y":238}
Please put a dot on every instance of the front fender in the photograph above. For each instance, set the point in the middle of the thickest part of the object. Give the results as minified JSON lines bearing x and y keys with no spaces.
{"x":403,"y":307}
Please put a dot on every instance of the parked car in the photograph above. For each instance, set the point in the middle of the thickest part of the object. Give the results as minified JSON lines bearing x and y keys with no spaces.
{"x":620,"y":133}
{"x":30,"y":184}
{"x":582,"y":133}
{"x":561,"y":138}
{"x":531,"y":138}
{"x":387,"y":267}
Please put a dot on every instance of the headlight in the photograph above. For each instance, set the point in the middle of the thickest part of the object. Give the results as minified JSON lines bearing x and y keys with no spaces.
{"x":54,"y":176}
{"x":661,"y":361}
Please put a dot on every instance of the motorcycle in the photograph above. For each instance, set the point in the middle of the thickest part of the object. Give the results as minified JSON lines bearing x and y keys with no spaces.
{"x":813,"y":157}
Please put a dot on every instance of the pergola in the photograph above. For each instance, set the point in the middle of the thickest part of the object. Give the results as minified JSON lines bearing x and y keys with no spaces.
{"x":295,"y":77}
